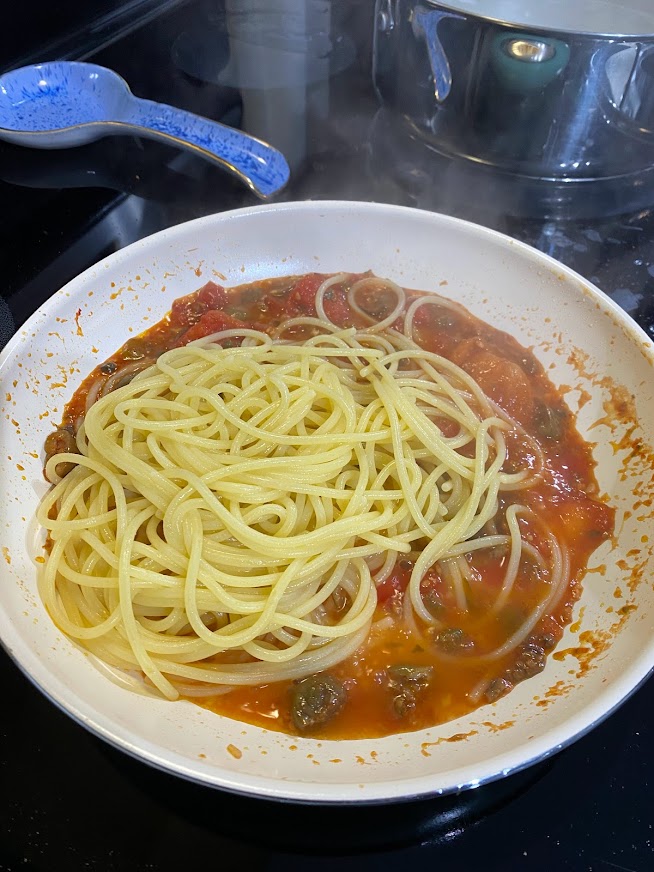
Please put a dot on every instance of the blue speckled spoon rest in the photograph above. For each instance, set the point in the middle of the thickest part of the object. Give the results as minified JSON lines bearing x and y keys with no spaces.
{"x":62,"y":104}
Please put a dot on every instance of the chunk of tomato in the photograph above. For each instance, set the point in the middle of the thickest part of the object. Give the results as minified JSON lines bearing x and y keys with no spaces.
{"x":302,"y":299}
{"x":396,"y":582}
{"x":212,"y":296}
{"x":337,"y":307}
{"x":188,"y":310}
{"x":499,"y":378}
{"x":211,"y":322}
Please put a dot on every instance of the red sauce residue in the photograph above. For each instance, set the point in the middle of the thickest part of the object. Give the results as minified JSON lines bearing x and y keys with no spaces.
{"x":234,"y":751}
{"x":627,"y":609}
{"x":635,"y":570}
{"x":497,"y":728}
{"x":574,"y":628}
{"x":457,"y":737}
{"x":620,"y":406}
{"x":79,"y":330}
{"x":553,"y":693}
{"x":595,"y":643}
{"x":636,"y":459}
{"x":584,"y":398}
{"x":585,"y":654}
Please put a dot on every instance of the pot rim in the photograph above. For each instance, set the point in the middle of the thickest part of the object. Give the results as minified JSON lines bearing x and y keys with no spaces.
{"x":461,"y":7}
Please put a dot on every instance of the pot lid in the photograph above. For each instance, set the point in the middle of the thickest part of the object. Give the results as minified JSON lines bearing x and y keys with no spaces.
{"x":598,"y":17}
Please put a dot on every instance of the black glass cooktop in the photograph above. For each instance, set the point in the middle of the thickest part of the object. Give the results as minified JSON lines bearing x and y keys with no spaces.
{"x":67,"y":800}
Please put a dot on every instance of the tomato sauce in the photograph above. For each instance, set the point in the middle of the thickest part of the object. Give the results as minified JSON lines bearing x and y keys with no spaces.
{"x":566,"y":500}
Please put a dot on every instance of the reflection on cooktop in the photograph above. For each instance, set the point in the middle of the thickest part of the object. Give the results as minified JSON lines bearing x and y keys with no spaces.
{"x":335,"y":830}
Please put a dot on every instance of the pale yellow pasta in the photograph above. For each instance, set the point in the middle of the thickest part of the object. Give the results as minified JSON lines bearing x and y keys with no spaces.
{"x":230,"y":507}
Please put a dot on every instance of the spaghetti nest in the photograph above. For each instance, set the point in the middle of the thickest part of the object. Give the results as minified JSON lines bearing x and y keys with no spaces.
{"x":232,"y":507}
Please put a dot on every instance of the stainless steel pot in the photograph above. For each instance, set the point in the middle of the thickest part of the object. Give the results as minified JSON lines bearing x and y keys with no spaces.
{"x":560,"y":89}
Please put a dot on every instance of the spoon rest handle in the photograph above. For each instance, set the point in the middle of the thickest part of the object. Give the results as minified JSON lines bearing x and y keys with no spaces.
{"x":260,"y":166}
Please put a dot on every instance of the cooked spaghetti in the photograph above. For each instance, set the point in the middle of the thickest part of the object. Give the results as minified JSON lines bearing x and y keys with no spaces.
{"x":230,"y":510}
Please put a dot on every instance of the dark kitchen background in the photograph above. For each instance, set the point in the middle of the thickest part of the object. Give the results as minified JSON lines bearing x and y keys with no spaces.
{"x":297,"y":73}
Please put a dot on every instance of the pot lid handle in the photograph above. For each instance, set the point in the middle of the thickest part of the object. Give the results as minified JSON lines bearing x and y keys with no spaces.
{"x":425,"y":23}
